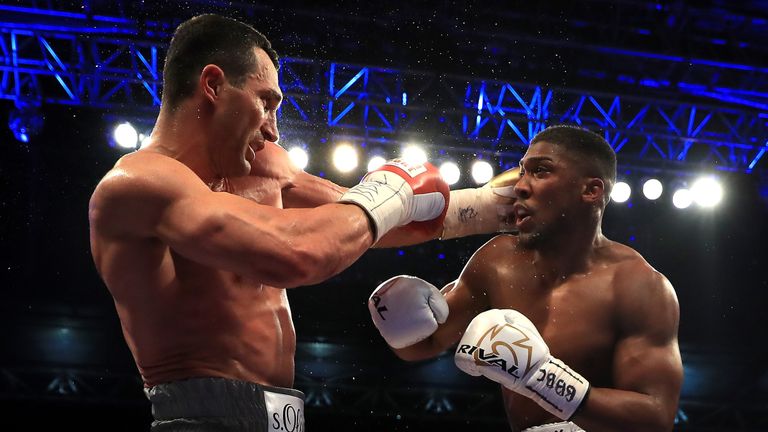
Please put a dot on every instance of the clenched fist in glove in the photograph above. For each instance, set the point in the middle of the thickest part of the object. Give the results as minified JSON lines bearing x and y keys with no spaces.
{"x":407,"y":310}
{"x":504,"y":346}
{"x":399,"y":193}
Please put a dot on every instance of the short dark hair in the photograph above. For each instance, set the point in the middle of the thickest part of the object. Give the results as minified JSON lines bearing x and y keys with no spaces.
{"x":598,"y":156}
{"x":210,"y":39}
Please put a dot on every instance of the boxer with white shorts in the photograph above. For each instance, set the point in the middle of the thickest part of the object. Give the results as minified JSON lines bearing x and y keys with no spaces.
{"x":579,"y":330}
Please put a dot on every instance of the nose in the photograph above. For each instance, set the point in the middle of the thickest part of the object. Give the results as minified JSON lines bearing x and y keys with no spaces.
{"x":269,"y":129}
{"x":523,"y":187}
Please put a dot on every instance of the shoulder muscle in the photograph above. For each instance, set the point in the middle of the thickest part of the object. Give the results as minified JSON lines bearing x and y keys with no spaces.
{"x":131,"y":197}
{"x":647,"y":302}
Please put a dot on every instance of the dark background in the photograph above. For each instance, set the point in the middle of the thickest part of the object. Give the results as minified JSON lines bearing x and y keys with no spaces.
{"x":63,"y":362}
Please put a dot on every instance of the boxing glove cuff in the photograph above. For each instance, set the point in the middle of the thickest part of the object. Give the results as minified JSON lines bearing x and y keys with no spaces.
{"x":384,"y":199}
{"x":557,"y":388}
{"x":477,"y":211}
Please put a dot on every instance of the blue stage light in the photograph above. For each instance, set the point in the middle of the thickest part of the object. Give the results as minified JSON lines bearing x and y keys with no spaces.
{"x":25,"y":121}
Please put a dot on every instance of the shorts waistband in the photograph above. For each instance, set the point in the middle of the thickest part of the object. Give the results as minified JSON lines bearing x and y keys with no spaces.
{"x":555,"y":427}
{"x":215,"y":397}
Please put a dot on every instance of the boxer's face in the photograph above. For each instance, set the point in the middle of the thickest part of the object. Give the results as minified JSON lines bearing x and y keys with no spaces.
{"x":246,"y":118}
{"x":547,"y":193}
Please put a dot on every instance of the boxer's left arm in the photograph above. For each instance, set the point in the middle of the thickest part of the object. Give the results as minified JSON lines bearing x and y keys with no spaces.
{"x":482,"y":210}
{"x":648,"y":371}
{"x":307,"y":190}
{"x":299,"y":188}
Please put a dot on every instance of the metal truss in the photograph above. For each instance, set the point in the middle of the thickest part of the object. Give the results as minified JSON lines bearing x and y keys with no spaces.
{"x":675,"y":47}
{"x":712,"y":115}
{"x":501,"y":117}
{"x":62,"y":68}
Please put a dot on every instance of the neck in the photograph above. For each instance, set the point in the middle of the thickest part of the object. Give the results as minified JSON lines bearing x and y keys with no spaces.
{"x":180,"y":134}
{"x":573,"y":251}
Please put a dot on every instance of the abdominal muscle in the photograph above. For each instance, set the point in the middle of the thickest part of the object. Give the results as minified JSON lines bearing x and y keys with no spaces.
{"x":203,"y":322}
{"x":182,"y":319}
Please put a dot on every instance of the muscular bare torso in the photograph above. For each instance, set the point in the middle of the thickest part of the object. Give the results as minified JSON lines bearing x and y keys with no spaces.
{"x":576,"y":315}
{"x":182,"y":319}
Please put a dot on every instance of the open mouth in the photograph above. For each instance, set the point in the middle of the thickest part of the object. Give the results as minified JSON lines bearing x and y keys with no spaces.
{"x":522,"y":216}
{"x":521,"y":222}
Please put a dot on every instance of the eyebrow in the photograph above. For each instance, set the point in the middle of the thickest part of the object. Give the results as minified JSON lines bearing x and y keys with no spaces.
{"x":536,"y":159}
{"x":272,"y":94}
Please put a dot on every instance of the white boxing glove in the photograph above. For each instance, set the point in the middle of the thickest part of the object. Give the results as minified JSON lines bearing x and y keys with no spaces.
{"x":504,"y":346}
{"x":407,"y":310}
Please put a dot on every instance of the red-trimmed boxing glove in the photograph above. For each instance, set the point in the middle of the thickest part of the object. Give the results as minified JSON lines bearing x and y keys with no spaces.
{"x":399,"y":193}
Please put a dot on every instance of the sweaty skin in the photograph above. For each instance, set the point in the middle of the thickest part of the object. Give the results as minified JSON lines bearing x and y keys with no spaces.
{"x":198,"y":234}
{"x":181,"y":318}
{"x":599,"y":306}
{"x":610,"y":322}
{"x":190,"y":237}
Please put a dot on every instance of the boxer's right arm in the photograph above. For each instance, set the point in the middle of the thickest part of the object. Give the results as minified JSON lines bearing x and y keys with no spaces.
{"x":462,"y":306}
{"x":407,"y":310}
{"x":465,"y":299}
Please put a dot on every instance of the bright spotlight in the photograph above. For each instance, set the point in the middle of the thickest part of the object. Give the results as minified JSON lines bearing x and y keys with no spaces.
{"x":299,"y":157}
{"x":450,"y":172}
{"x":125,"y":136}
{"x":375,"y":163}
{"x":144,"y":140}
{"x":482,"y":172}
{"x":707,"y":192}
{"x":652,"y":189}
{"x":414,"y":155}
{"x":621,"y":192}
{"x":682,"y":198}
{"x":345,"y":158}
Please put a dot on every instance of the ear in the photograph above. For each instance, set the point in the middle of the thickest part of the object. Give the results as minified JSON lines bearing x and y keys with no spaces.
{"x":593,"y":191}
{"x":211,"y":81}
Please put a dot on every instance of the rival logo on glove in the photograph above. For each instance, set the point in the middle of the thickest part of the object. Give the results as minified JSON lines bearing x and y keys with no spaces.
{"x":494,"y":358}
{"x":376,"y":300}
